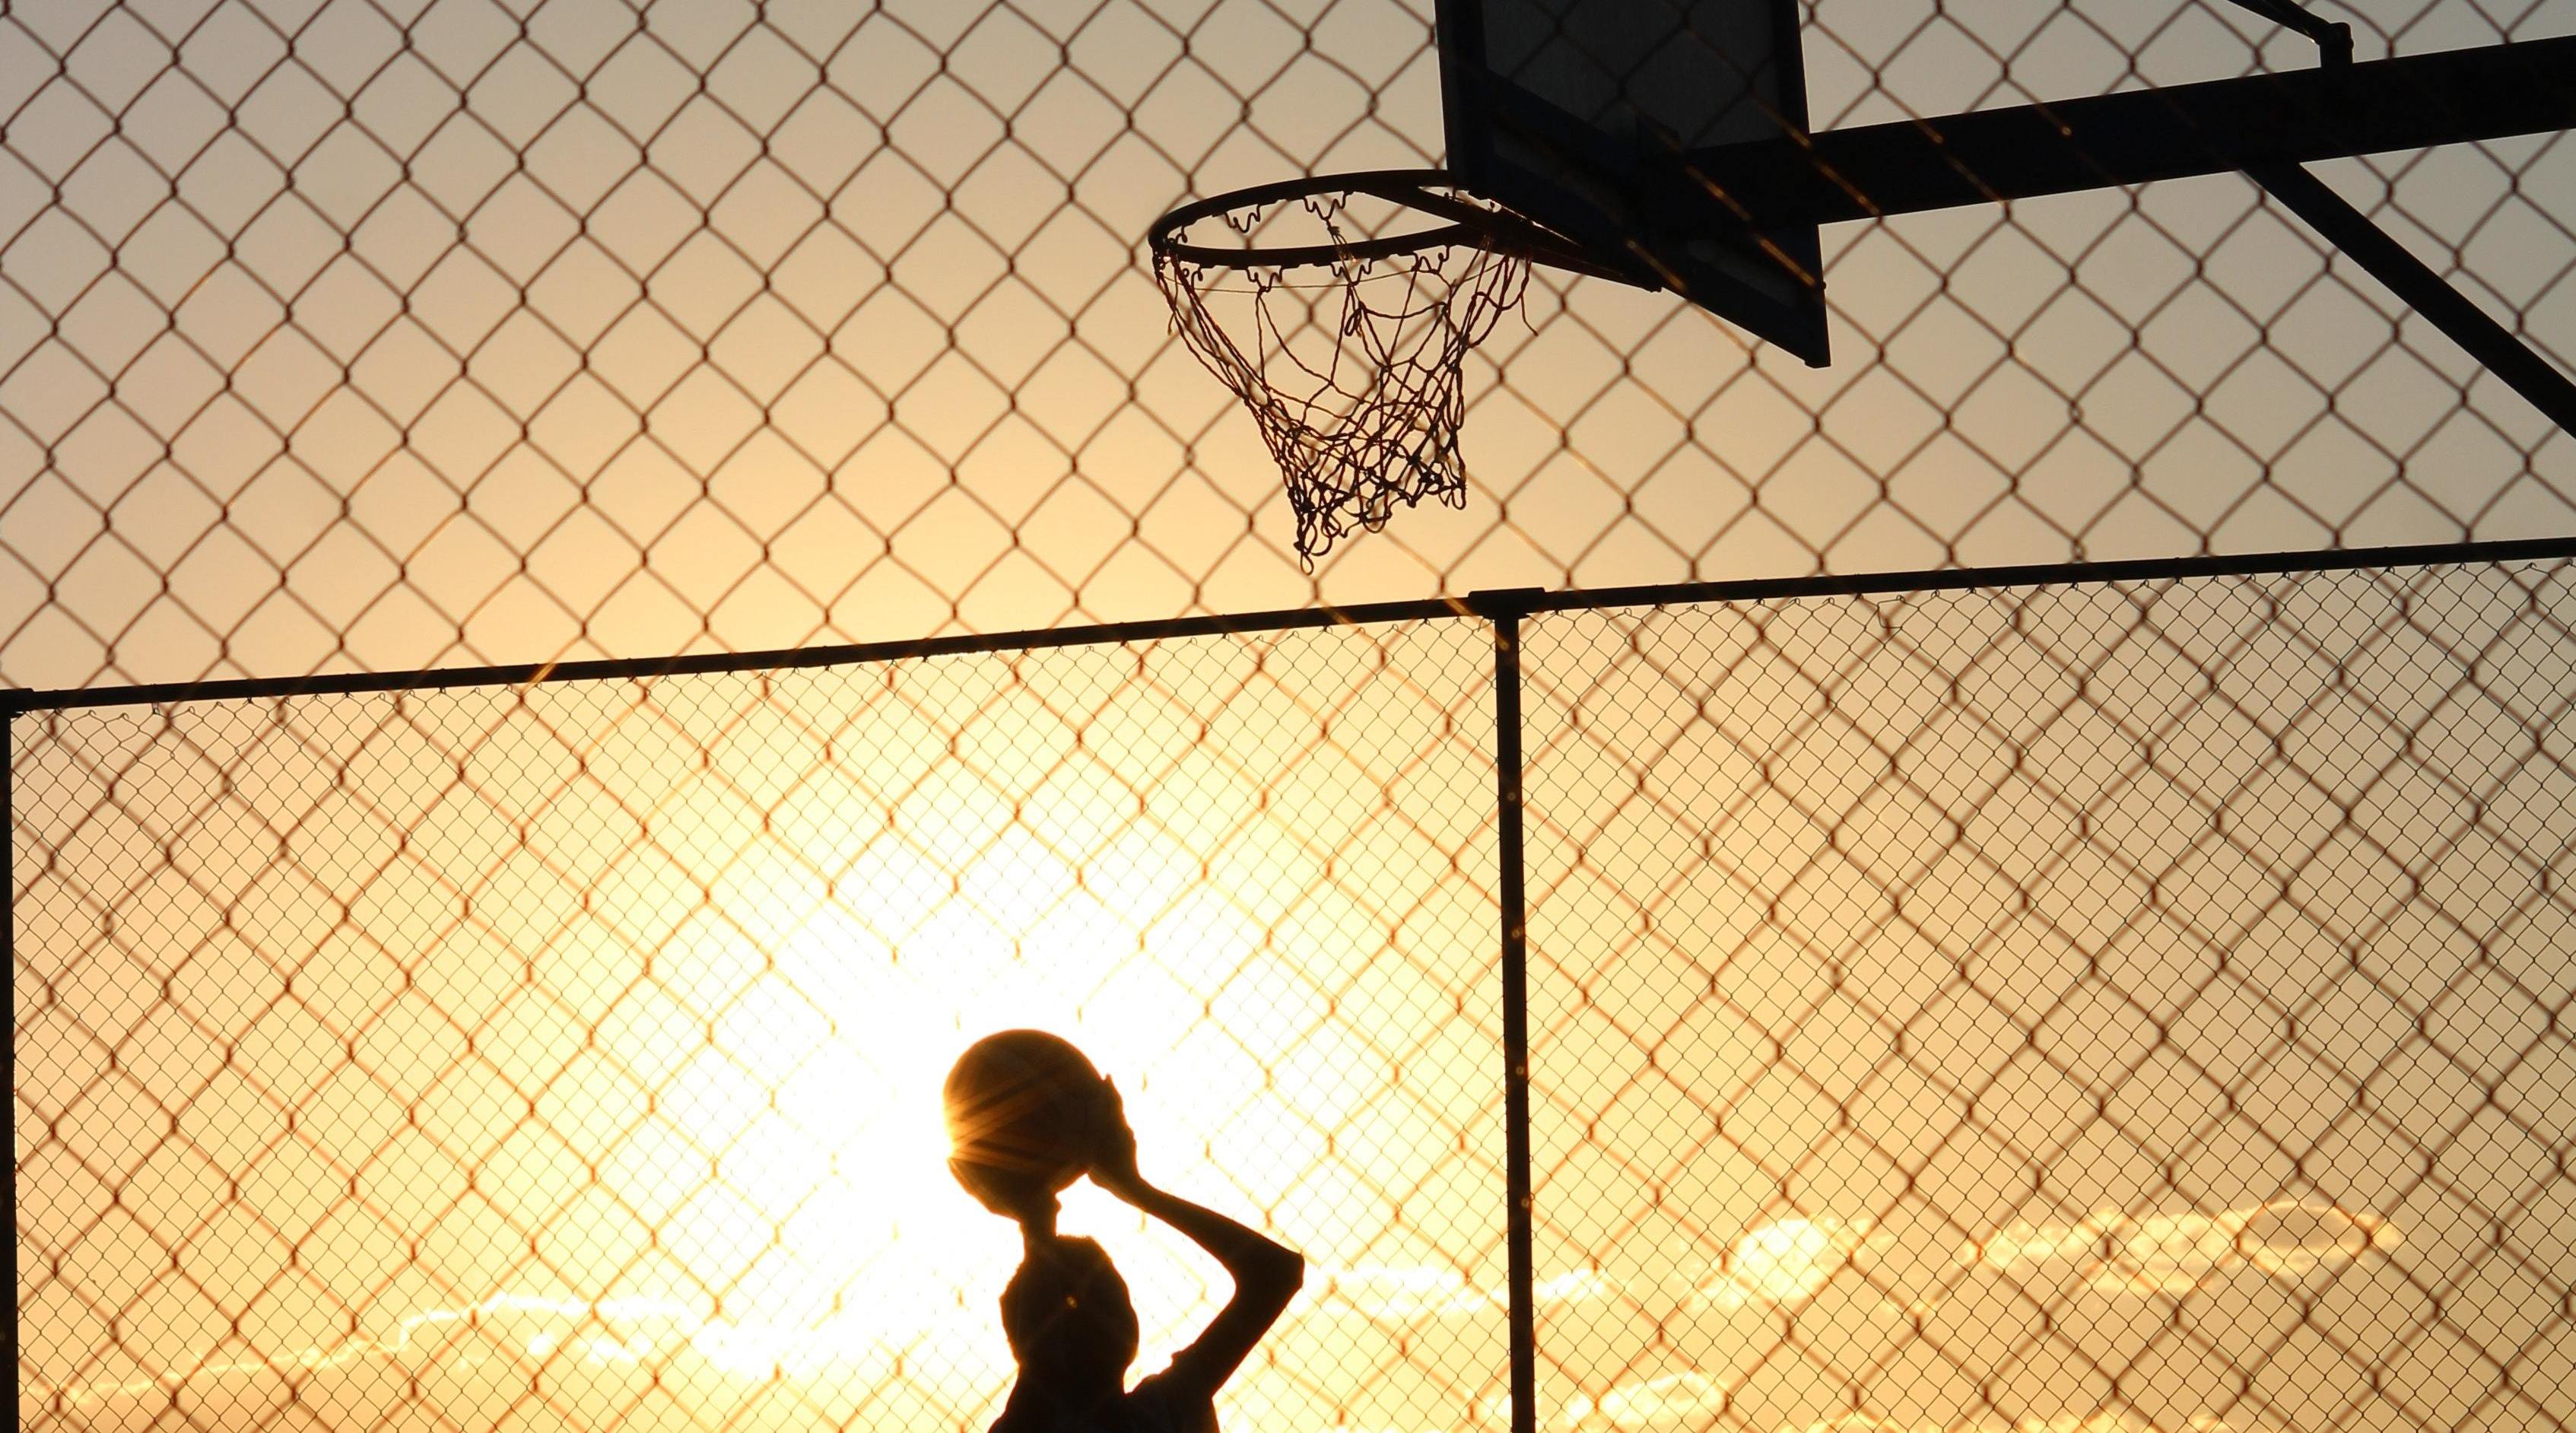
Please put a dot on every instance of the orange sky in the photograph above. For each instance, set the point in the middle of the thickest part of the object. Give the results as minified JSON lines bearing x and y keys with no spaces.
{"x":1925,"y":1045}
{"x":481,"y":349}
{"x":588,"y":1038}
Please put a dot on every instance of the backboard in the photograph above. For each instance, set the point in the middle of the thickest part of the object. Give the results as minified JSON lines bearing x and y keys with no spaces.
{"x":1578,"y":113}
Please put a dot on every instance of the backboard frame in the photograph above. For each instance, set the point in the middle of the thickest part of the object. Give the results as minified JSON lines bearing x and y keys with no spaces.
{"x":1645,"y":216}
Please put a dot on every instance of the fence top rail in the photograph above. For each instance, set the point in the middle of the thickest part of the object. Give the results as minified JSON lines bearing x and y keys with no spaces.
{"x":1484,"y":604}
{"x":1959,"y":579}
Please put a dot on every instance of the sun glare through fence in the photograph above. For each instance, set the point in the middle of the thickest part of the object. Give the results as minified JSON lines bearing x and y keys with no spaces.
{"x":2104,"y":1007}
{"x":569,"y":1056}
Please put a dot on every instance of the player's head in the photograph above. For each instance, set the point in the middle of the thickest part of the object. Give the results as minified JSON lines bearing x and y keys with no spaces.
{"x":1008,"y":1193}
{"x":1067,"y":1315}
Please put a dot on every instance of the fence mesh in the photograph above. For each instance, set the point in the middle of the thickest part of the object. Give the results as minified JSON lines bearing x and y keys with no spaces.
{"x":2112,"y":1007}
{"x":388,"y":334}
{"x":569,"y":1056}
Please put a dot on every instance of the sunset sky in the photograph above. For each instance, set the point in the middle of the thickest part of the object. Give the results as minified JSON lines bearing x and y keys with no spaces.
{"x":394,"y":338}
{"x":2108,"y":1011}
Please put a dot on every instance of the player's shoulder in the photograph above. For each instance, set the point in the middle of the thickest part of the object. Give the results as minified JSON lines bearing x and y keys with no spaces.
{"x":1170,"y":1402}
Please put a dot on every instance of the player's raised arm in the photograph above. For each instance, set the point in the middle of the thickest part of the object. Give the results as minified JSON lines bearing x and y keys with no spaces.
{"x":1266,"y":1273}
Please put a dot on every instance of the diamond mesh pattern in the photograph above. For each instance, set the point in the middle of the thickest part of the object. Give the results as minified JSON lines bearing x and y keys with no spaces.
{"x":2116,"y":1007}
{"x":388,"y":334}
{"x":569,"y":1055}
{"x":2108,"y":1007}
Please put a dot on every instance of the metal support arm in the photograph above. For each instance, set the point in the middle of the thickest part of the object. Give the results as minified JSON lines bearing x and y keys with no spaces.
{"x":2334,"y":39}
{"x":2469,"y":326}
{"x":2263,"y":125}
{"x":1985,"y":156}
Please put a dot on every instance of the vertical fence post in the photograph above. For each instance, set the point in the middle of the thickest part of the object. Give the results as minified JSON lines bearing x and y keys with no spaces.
{"x":10,"y":707}
{"x":1505,"y":609}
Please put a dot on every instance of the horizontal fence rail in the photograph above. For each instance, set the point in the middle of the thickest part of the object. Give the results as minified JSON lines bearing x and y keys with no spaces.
{"x":1916,"y":1004}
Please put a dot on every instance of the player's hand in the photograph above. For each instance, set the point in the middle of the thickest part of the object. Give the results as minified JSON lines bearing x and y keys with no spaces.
{"x":1113,"y":1155}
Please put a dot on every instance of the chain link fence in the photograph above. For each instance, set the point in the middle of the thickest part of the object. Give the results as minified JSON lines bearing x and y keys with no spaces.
{"x":2107,"y":1007}
{"x":568,"y":1055}
{"x":2112,"y":1006}
{"x":393,"y":334}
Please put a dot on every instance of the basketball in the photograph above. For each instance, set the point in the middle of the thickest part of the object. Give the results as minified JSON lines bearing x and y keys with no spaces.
{"x":1021,"y":1106}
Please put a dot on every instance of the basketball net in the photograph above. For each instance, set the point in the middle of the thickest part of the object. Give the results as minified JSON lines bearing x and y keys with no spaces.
{"x":1349,"y":363}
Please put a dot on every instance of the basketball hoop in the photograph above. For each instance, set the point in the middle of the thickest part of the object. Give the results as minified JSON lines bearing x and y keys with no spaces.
{"x":1340,"y":313}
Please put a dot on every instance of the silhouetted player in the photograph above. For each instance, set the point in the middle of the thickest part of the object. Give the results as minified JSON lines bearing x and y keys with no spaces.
{"x":1073,"y":1331}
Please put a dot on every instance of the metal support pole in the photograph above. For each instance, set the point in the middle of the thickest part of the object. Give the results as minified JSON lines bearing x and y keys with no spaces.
{"x":9,"y":713}
{"x":1505,"y":609}
{"x":2419,"y":288}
